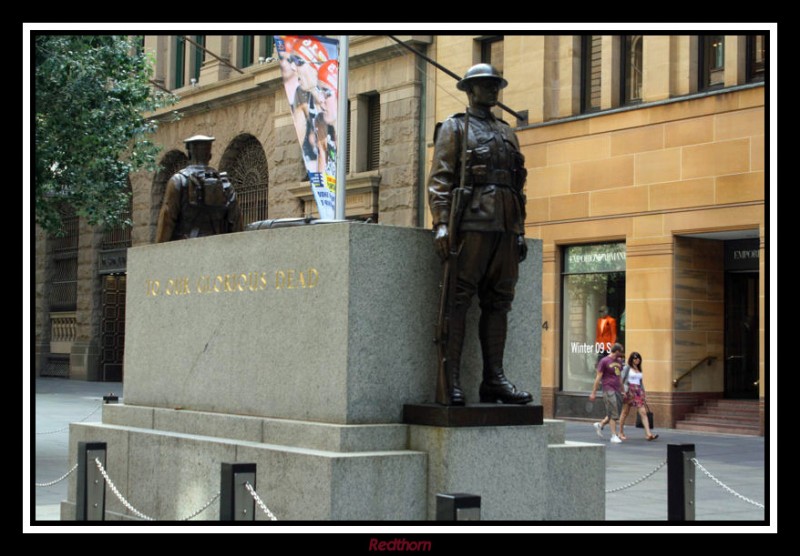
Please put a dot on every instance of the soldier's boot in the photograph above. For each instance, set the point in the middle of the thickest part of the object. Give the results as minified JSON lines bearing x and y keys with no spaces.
{"x":496,"y":388}
{"x":455,"y":344}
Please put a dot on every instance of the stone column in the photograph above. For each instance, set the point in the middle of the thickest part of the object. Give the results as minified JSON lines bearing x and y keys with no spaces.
{"x":41,"y":305}
{"x":399,"y":160}
{"x":656,"y":67}
{"x":85,"y":355}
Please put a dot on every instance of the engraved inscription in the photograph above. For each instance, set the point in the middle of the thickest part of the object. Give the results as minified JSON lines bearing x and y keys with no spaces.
{"x":241,"y":282}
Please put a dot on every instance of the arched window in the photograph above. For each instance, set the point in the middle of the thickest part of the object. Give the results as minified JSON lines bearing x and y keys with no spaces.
{"x":246,"y":164}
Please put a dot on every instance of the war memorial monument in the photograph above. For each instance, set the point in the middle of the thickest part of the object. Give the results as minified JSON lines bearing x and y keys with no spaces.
{"x":309,"y":351}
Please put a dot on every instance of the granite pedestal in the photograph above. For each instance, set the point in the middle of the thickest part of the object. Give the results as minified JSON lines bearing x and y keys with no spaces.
{"x":297,"y":349}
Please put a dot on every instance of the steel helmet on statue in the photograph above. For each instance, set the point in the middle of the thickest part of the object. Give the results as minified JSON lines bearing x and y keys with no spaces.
{"x":481,"y":71}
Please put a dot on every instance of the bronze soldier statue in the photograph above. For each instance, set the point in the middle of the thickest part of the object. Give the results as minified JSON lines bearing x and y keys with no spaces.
{"x":478,"y":207}
{"x":198,"y":201}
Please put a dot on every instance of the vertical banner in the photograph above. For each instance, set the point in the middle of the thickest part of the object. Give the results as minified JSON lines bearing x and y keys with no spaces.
{"x":310,"y":70}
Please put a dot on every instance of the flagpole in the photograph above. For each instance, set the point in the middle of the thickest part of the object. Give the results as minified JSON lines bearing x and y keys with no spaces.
{"x":341,"y":129}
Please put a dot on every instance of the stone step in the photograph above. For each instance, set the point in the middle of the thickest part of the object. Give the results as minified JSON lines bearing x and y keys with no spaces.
{"x":729,"y":429}
{"x":724,"y":416}
{"x":698,"y":418}
{"x":728,"y":412}
{"x":743,"y":405}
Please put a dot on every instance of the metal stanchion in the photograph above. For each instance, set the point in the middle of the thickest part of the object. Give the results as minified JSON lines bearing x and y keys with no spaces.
{"x":91,"y":493}
{"x":236,"y":503}
{"x":680,"y":482}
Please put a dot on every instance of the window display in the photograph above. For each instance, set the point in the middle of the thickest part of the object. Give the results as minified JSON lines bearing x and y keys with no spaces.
{"x":593,"y":310}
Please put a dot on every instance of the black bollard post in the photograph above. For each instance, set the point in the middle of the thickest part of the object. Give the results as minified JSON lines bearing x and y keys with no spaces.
{"x":91,"y":493}
{"x":236,"y":502}
{"x":680,"y":482}
{"x":458,"y":507}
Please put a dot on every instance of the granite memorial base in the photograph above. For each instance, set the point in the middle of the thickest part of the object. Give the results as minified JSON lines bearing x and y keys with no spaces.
{"x":297,"y":349}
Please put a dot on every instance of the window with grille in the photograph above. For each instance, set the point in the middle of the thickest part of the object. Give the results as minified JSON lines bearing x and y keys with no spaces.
{"x":246,"y":164}
{"x":374,"y":132}
{"x":590,"y":72}
{"x":349,"y":139}
{"x":712,"y":61}
{"x":63,"y":295}
{"x":118,"y":236}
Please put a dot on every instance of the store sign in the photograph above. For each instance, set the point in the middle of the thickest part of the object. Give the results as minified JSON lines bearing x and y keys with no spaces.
{"x":741,"y":254}
{"x":605,"y":257}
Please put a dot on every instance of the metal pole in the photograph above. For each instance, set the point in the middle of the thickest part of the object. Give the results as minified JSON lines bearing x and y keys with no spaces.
{"x":235,"y":502}
{"x":680,"y":482}
{"x":90,"y":499}
{"x":341,"y":130}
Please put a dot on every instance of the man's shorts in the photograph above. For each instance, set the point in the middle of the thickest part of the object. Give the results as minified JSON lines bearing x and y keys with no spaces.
{"x":613,"y":403}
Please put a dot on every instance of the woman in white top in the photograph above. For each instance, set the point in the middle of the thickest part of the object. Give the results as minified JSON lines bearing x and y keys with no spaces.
{"x":634,"y":395}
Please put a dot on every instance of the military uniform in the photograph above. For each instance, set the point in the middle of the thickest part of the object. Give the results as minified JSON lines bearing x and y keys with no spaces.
{"x":491,"y":233}
{"x":198,"y":201}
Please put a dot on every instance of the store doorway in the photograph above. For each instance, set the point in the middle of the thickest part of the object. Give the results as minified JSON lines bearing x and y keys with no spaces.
{"x":741,"y":319}
{"x":741,"y":335}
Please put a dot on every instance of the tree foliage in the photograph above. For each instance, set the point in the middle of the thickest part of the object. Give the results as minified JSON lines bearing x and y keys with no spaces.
{"x":91,"y":96}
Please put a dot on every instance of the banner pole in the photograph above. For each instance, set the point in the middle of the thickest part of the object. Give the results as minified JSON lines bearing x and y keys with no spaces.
{"x":341,"y":129}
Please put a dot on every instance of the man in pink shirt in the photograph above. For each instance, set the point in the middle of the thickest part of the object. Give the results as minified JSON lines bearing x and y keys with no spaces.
{"x":609,"y":370}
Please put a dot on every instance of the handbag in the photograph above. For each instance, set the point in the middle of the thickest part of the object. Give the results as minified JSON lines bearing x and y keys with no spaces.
{"x":639,"y":424}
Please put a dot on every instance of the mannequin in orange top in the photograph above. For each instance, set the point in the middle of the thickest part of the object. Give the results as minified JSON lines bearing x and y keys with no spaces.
{"x":606,"y":335}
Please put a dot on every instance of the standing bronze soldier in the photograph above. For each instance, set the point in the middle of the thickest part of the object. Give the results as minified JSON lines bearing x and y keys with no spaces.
{"x":198,"y":201}
{"x":481,"y":237}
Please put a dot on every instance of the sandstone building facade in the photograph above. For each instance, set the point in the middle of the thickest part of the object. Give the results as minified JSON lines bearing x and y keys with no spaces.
{"x":646,"y":160}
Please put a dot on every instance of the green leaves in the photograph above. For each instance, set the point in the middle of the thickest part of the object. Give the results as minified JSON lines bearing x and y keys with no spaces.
{"x":91,"y":97}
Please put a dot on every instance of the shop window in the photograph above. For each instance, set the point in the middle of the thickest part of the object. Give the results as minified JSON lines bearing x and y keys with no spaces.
{"x":593,"y":286}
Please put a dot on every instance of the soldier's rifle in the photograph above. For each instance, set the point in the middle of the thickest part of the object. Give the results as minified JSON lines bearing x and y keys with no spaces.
{"x":458,"y":201}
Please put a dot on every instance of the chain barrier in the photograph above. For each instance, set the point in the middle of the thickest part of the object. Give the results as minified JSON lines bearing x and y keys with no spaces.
{"x":113,"y":488}
{"x":95,"y":410}
{"x":261,"y":504}
{"x":198,"y":512}
{"x":637,"y":481}
{"x":724,"y":487}
{"x":137,"y":512}
{"x":64,"y":476}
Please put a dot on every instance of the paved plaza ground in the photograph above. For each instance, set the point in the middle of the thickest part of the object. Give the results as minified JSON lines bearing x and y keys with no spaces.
{"x":636,"y":480}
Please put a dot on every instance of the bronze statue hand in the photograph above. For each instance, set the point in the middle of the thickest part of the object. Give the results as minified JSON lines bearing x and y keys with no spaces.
{"x":441,"y":241}
{"x":523,"y":248}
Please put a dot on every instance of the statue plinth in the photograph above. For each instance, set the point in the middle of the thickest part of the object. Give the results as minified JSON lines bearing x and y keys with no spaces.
{"x":297,"y":349}
{"x":472,"y":415}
